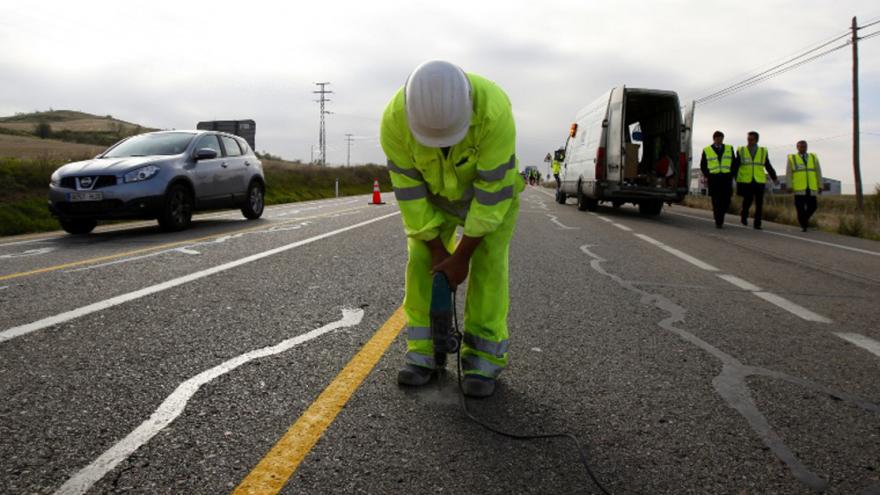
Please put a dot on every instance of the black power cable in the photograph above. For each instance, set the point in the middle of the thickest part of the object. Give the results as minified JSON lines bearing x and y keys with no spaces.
{"x":517,"y":436}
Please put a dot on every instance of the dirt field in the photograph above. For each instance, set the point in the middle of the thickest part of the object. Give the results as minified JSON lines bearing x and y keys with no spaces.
{"x":45,"y":149}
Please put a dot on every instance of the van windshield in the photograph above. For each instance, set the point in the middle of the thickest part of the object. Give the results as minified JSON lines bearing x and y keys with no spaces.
{"x":166,"y":143}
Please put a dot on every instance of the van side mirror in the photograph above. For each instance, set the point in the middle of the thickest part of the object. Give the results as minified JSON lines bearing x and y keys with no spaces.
{"x":605,"y":123}
{"x":205,"y":154}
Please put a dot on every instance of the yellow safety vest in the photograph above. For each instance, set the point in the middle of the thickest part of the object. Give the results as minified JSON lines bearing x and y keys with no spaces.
{"x":555,"y":167}
{"x":752,"y":167}
{"x":715,"y":165}
{"x":803,"y":174}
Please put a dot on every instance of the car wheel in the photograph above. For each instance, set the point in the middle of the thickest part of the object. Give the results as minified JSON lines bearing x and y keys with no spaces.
{"x":178,"y":209}
{"x":253,"y":206}
{"x":78,"y":226}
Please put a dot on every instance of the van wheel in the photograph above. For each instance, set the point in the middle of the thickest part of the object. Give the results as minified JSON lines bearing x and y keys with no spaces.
{"x":253,"y":206}
{"x":178,"y":209}
{"x":585,"y":203}
{"x":560,"y":197}
{"x":650,"y":208}
{"x":78,"y":226}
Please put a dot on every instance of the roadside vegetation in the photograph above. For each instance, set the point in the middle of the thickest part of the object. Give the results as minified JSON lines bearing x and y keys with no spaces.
{"x":835,"y":214}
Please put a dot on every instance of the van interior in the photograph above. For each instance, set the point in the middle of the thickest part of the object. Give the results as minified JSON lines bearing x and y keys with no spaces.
{"x":653,"y":143}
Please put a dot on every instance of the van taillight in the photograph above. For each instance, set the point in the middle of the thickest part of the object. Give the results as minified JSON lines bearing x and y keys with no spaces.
{"x":682,"y":169}
{"x":600,"y":163}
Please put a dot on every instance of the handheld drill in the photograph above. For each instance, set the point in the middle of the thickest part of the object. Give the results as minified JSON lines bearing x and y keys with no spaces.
{"x":446,"y":338}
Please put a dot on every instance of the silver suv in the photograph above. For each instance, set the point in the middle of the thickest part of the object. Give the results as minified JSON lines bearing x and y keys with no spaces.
{"x":164,"y":175}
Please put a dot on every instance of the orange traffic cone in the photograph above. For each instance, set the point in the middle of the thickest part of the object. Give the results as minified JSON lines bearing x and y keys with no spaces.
{"x":377,"y":198}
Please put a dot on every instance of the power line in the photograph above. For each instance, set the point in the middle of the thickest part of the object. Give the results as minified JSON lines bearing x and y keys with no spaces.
{"x":757,"y":79}
{"x":869,"y":24}
{"x":876,"y":33}
{"x":788,"y":59}
{"x":785,"y":66}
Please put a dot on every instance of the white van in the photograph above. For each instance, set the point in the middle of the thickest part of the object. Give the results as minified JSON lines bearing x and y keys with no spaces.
{"x":629,"y":146}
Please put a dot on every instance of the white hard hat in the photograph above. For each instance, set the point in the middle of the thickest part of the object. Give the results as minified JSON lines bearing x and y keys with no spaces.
{"x":438,"y":104}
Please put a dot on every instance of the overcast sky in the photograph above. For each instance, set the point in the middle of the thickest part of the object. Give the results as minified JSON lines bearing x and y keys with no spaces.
{"x":171,"y":64}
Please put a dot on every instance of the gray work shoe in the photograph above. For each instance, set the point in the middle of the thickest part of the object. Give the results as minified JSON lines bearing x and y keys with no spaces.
{"x":414,"y":376}
{"x":478,"y":386}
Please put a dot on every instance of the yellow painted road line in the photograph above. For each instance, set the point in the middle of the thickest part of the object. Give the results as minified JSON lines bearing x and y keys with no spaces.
{"x":163,"y":246}
{"x":272,"y":472}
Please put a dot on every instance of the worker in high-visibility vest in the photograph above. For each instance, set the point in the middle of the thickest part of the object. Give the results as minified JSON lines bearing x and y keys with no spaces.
{"x":752,"y":163}
{"x":804,"y":179}
{"x":717,"y":163}
{"x":450,"y":139}
{"x":556,"y":168}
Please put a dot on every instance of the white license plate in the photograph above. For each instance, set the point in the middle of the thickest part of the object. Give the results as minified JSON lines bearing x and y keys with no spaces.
{"x":85,"y":196}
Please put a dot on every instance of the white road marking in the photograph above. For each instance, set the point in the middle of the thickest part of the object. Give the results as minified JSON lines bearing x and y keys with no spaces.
{"x":187,"y":249}
{"x":29,"y":252}
{"x":555,"y":219}
{"x":197,"y":217}
{"x":4,"y":287}
{"x":742,"y":284}
{"x":860,"y":340}
{"x":799,"y":238}
{"x":675,"y":252}
{"x":791,"y":307}
{"x":772,"y":298}
{"x":548,"y":193}
{"x":608,"y":220}
{"x":175,"y":403}
{"x":622,"y":227}
{"x":20,"y":330}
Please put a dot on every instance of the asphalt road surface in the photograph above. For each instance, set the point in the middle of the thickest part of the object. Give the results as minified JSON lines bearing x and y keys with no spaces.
{"x":261,"y":356}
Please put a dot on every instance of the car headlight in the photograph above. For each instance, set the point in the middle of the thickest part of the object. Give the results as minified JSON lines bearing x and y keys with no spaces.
{"x":142,"y":173}
{"x":55,"y":179}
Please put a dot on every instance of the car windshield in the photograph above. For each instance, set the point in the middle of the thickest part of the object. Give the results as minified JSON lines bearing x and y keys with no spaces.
{"x":167,"y":143}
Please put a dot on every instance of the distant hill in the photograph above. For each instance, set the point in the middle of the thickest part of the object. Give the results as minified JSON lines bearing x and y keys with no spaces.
{"x":71,"y":126}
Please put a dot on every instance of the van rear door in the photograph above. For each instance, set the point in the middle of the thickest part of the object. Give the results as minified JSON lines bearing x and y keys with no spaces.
{"x":687,"y":135}
{"x":614,"y":136}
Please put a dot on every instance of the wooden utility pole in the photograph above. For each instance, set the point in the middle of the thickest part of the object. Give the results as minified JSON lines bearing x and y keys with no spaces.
{"x":860,"y":199}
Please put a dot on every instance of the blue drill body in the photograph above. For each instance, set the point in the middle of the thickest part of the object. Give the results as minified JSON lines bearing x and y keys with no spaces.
{"x":446,"y":340}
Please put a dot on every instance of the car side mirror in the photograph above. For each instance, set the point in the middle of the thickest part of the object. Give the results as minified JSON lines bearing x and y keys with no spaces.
{"x":206,"y":154}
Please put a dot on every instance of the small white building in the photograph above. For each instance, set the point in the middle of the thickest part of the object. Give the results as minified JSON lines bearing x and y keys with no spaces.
{"x":699,"y":186}
{"x":829,"y":186}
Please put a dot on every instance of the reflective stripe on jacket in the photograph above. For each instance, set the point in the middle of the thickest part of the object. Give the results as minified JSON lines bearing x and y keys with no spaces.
{"x":752,"y":167}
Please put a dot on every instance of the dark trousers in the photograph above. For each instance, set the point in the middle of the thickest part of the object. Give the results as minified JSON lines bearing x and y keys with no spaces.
{"x":556,"y":176}
{"x":720,"y":188}
{"x":755,"y":192}
{"x":805,"y":205}
{"x":720,"y":204}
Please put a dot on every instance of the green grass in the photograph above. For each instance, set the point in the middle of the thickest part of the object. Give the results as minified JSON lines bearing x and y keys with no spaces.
{"x":24,"y":188}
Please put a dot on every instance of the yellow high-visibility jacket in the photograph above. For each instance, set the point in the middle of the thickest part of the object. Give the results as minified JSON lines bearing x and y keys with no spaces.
{"x":473,"y":186}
